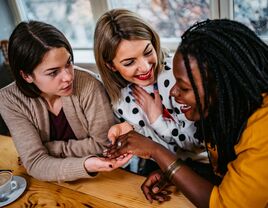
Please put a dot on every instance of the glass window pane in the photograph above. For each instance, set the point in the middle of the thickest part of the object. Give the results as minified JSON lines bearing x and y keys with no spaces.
{"x":73,"y":17}
{"x":253,"y":13}
{"x":170,"y":17}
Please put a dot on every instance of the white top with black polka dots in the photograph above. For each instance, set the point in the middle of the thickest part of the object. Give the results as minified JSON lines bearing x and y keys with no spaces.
{"x":177,"y":135}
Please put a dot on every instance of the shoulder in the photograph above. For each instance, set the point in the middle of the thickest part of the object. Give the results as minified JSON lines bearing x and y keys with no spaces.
{"x":13,"y":99}
{"x":11,"y":92}
{"x":255,"y":133}
{"x":166,"y":79}
{"x":85,"y":82}
{"x":125,"y":97}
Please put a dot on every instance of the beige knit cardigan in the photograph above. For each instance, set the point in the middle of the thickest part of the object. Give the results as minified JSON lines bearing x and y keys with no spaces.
{"x":89,"y":114}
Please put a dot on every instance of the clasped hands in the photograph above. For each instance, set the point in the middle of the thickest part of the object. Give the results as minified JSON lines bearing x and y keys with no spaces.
{"x":126,"y":143}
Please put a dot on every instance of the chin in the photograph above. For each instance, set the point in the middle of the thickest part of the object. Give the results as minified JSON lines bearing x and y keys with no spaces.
{"x":192,"y":117}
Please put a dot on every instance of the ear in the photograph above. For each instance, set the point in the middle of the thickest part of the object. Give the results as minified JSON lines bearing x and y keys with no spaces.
{"x":28,"y":78}
{"x":111,"y":67}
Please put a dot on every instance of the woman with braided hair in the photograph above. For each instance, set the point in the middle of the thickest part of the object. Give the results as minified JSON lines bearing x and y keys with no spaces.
{"x":221,"y":71}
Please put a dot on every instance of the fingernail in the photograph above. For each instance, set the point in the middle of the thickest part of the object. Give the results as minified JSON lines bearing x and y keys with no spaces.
{"x":155,"y":189}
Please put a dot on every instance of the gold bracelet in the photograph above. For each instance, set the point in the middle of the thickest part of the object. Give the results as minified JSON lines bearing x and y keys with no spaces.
{"x":173,"y":168}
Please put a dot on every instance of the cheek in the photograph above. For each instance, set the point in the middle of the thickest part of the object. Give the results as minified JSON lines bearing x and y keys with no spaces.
{"x":153,"y":58}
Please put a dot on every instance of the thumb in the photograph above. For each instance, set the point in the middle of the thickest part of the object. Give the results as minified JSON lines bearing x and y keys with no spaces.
{"x":113,"y":134}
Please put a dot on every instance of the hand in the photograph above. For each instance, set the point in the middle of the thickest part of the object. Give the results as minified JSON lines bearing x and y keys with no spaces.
{"x":154,"y":187}
{"x":151,"y":106}
{"x":117,"y":130}
{"x":132,"y":143}
{"x":98,"y":164}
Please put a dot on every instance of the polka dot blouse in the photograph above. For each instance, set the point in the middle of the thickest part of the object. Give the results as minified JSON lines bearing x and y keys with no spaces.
{"x":171,"y":129}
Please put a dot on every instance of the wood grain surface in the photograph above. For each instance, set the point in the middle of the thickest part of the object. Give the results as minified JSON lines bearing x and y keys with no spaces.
{"x":114,"y":189}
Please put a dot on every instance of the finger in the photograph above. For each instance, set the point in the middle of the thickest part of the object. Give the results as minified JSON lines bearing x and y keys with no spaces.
{"x":120,"y":163}
{"x":157,"y":97}
{"x":147,"y":194}
{"x":141,"y":93}
{"x":158,"y":198}
{"x":161,"y":197}
{"x":113,"y":133}
{"x":138,"y":98}
{"x":125,"y":127}
{"x":116,"y":150}
{"x":148,"y":183}
{"x":160,"y":184}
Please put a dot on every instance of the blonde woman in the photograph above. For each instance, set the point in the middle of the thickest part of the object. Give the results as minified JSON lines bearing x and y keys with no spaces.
{"x":138,"y":77}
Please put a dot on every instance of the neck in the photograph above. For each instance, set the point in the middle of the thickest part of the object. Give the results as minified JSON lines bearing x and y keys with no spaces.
{"x":54,"y":103}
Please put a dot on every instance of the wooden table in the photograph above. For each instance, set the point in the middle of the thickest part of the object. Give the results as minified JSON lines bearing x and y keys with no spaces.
{"x":114,"y":189}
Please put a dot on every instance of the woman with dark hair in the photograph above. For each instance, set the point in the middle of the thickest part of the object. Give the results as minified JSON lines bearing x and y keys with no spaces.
{"x":221,"y":71}
{"x":58,"y":116}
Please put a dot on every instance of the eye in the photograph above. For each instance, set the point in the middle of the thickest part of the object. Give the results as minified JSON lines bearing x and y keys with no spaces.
{"x":128,"y":63}
{"x":147,"y":53}
{"x":184,"y":89}
{"x":69,"y":63}
{"x":53,"y":73}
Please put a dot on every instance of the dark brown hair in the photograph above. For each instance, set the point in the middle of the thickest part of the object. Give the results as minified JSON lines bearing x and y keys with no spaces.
{"x":28,"y":44}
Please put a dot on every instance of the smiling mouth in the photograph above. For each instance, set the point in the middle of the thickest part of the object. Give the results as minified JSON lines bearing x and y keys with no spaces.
{"x":146,"y":76}
{"x":185,"y":108}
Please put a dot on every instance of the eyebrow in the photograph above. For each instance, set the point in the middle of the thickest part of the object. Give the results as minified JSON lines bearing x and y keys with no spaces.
{"x":182,"y":81}
{"x":53,"y":68}
{"x":132,"y":57}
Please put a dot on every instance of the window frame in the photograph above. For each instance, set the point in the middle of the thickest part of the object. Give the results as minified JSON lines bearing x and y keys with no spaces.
{"x":218,"y":9}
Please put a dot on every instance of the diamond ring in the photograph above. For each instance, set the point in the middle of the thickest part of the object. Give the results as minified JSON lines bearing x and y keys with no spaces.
{"x":119,"y":144}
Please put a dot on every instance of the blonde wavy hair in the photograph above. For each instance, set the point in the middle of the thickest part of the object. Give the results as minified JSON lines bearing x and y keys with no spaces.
{"x":112,"y":27}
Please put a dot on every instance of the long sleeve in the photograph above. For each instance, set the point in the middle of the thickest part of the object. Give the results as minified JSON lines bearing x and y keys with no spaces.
{"x":172,"y":132}
{"x":28,"y":122}
{"x":245,"y":183}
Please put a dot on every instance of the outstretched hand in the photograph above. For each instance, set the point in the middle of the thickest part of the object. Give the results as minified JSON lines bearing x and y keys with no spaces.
{"x":151,"y":106}
{"x":98,"y":164}
{"x":154,"y":187}
{"x":132,"y":143}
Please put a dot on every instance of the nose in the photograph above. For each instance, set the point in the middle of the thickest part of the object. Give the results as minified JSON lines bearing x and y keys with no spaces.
{"x":175,"y":91}
{"x":67,"y":75}
{"x":143,"y":65}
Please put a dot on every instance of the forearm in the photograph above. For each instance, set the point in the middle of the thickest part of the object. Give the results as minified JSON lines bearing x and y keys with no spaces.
{"x":74,"y":148}
{"x":194,"y":187}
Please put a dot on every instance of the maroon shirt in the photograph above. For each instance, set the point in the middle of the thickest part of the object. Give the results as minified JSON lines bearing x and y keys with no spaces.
{"x":60,"y":129}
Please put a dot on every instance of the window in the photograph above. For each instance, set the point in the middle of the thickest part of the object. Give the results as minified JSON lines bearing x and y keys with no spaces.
{"x":253,"y":13}
{"x":73,"y":18}
{"x":76,"y":18}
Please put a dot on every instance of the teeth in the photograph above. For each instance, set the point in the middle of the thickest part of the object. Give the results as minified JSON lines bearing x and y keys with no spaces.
{"x":185,"y":107}
{"x":145,"y":75}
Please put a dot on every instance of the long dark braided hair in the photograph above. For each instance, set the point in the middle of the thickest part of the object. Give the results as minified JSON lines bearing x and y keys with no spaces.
{"x":233,"y":63}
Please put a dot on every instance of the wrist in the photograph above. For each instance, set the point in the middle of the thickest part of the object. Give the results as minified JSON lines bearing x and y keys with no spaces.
{"x":156,"y":150}
{"x":153,"y":118}
{"x":173,"y":168}
{"x":89,"y":167}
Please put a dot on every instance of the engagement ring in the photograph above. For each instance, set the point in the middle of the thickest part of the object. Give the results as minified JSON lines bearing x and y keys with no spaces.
{"x":119,"y":144}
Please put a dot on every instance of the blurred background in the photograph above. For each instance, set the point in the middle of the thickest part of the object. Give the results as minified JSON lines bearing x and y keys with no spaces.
{"x":76,"y":18}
